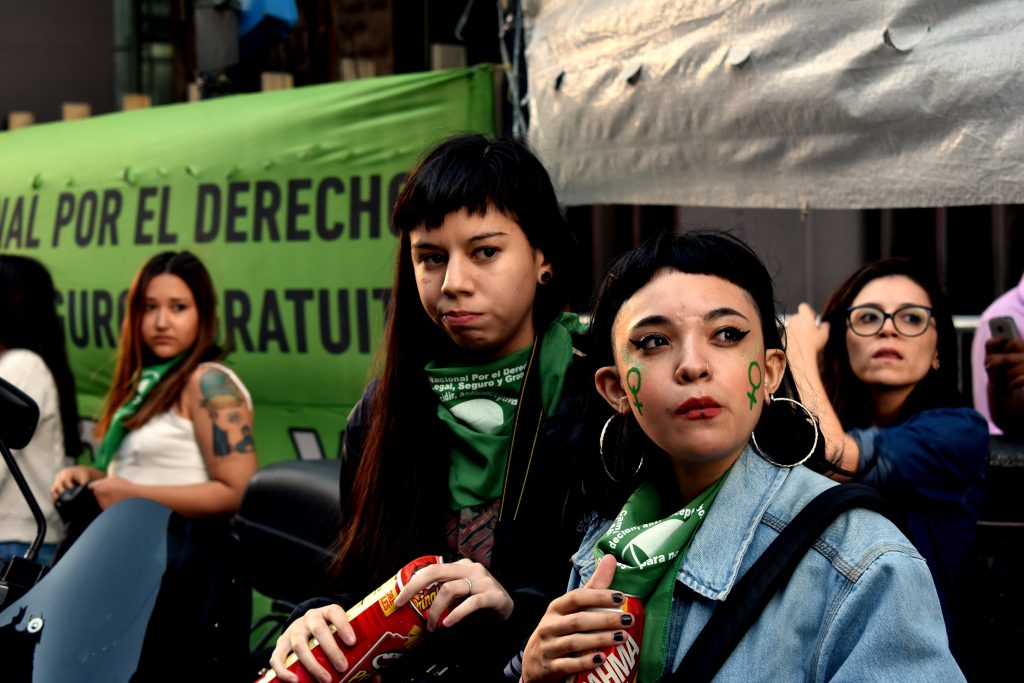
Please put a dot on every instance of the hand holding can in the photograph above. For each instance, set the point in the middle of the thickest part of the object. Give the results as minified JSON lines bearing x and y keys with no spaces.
{"x":583,"y":629}
{"x":621,"y":661}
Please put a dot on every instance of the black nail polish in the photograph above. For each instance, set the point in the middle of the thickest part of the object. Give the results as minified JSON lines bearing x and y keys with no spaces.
{"x":617,"y":598}
{"x":597,"y":659}
{"x":627,"y":620}
{"x":619,"y":636}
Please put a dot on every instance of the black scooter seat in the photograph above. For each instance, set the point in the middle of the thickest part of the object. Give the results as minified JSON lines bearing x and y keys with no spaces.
{"x":286,"y":527}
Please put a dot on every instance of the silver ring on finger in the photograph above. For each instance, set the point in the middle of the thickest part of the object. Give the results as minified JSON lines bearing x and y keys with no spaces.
{"x":469,"y":583}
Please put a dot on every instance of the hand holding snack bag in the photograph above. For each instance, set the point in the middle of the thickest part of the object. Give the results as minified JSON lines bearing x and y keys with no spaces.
{"x":383,"y":632}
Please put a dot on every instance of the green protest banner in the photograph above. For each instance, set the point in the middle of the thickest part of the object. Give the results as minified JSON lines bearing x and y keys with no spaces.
{"x":284,"y":195}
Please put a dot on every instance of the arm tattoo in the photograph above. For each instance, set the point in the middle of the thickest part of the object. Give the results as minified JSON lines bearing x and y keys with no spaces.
{"x":245,"y":445}
{"x":224,"y":403}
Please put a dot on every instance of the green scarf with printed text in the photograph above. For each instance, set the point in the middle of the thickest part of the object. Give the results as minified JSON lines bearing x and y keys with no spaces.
{"x":649,"y":551}
{"x":478,"y":406}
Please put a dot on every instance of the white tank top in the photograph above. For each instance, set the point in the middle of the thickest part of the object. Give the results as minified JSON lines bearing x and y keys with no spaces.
{"x":164,"y":451}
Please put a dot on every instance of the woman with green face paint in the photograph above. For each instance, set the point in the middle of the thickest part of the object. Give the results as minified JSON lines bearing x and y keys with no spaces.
{"x":692,"y":363}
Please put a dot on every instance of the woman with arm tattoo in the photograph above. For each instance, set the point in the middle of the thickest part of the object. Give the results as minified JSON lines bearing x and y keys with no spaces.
{"x":176,"y":427}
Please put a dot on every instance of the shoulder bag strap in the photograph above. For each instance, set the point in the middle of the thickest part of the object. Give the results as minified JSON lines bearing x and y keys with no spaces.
{"x":525,"y":430}
{"x":731,"y":619}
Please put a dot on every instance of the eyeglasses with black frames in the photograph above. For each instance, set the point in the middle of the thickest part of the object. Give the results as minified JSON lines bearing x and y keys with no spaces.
{"x":868,"y":320}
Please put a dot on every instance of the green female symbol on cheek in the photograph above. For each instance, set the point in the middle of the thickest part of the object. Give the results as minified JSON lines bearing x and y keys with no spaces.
{"x":754,"y":386}
{"x":634,"y":388}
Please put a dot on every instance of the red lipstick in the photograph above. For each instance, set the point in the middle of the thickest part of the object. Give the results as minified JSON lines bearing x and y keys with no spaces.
{"x":699,"y":408}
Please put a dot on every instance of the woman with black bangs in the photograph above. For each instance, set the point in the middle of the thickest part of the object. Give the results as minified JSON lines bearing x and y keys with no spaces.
{"x":890,"y":408}
{"x":692,"y":361}
{"x":477,"y":350}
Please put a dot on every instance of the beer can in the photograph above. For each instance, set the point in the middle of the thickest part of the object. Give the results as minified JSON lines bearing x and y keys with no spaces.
{"x":383,"y":632}
{"x":621,"y":661}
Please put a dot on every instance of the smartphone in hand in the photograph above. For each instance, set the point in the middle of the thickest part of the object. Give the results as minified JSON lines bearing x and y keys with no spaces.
{"x":1003,"y":327}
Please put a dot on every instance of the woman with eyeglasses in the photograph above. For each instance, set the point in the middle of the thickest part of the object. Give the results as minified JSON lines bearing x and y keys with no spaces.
{"x":887,"y":399}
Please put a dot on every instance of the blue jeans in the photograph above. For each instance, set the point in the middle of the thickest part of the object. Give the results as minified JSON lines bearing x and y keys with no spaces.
{"x":9,"y":549}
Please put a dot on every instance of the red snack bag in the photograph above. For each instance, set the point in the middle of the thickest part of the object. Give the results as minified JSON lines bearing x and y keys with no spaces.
{"x":383,"y":633}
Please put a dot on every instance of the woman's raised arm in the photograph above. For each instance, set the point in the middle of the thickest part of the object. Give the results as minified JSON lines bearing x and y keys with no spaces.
{"x":805,"y":341}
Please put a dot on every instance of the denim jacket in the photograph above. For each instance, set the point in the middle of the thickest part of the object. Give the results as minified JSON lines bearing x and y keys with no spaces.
{"x":861,"y":606}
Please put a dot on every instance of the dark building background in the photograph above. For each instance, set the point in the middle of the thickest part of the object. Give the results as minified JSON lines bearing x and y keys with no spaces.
{"x":97,"y":51}
{"x":55,"y":51}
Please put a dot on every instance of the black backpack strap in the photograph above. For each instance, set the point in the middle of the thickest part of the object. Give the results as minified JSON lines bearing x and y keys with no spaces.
{"x":732,"y":618}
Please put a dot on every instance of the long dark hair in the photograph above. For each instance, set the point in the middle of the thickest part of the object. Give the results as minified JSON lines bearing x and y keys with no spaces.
{"x":782,"y":431}
{"x":133,"y":354}
{"x":850,"y":397}
{"x":397,"y":500}
{"x":28,"y":320}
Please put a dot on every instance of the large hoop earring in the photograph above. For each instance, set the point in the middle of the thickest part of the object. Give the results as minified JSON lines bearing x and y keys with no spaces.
{"x":600,"y":451}
{"x":810,"y":418}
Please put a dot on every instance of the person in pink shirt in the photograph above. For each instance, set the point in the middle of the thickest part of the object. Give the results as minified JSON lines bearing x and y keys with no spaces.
{"x":998,"y":367}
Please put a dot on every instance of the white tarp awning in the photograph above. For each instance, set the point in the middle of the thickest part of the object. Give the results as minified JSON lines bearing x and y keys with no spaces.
{"x":779,"y":103}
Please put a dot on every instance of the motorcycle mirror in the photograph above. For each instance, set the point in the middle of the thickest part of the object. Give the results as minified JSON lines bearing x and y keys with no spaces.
{"x":19,"y":415}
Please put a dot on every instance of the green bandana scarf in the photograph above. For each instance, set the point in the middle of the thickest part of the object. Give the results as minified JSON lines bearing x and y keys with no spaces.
{"x":649,"y":552}
{"x":478,"y":406}
{"x":148,"y":378}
